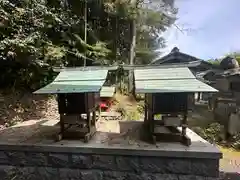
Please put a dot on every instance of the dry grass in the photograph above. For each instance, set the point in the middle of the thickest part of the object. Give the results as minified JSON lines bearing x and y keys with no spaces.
{"x":127,"y":106}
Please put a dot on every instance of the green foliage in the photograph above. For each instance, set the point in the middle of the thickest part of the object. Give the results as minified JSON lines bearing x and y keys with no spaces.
{"x":213,"y":133}
{"x":214,"y":61}
{"x":141,"y":107}
{"x":120,"y":109}
{"x":236,"y":142}
{"x":236,"y":55}
{"x":133,"y":115}
{"x":158,"y":117}
{"x":37,"y":35}
{"x":154,"y":18}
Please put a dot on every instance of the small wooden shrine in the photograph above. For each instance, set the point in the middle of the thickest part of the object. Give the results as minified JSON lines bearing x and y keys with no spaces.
{"x":77,"y":95}
{"x":169,"y":92}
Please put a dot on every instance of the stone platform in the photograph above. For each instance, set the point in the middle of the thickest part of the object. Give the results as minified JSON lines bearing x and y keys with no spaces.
{"x":28,"y":151}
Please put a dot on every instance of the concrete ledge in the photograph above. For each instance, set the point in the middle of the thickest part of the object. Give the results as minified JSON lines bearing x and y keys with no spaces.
{"x":103,"y":142}
{"x":118,"y":157}
{"x":165,"y":150}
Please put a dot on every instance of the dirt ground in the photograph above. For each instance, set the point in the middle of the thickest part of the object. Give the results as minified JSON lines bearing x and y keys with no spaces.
{"x":21,"y":106}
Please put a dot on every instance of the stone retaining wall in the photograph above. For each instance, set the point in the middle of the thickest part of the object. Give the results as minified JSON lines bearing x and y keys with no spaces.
{"x":86,"y":166}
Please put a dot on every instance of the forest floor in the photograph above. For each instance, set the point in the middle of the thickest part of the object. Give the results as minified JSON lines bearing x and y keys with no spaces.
{"x":22,"y":106}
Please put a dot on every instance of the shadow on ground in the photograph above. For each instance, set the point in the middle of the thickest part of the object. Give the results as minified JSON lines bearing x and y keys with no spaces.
{"x":32,"y":131}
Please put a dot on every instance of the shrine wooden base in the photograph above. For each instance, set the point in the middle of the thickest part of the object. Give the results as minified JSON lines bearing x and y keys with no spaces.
{"x":77,"y":133}
{"x":173,"y":135}
{"x":163,"y":133}
{"x":77,"y":126}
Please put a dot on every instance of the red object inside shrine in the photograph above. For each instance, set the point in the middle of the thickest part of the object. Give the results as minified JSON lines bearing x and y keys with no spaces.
{"x":105,"y":104}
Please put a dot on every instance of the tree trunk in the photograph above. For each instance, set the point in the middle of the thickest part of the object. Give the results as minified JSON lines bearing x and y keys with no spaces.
{"x":132,"y":50}
{"x":132,"y":55}
{"x":85,"y":30}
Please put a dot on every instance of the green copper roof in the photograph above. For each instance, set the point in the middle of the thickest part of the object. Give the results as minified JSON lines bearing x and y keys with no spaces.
{"x":164,"y":73}
{"x":87,"y":68}
{"x":168,"y":80}
{"x":107,"y":91}
{"x":76,"y":82}
{"x":88,"y":75}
